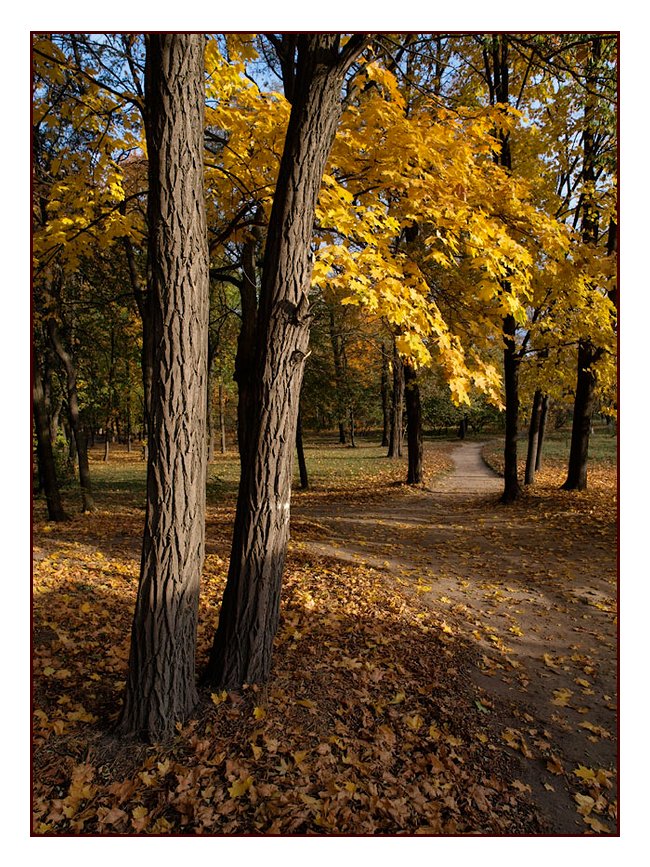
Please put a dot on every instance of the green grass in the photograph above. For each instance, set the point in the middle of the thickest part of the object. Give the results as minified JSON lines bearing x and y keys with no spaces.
{"x":603,"y":451}
{"x":121,"y":481}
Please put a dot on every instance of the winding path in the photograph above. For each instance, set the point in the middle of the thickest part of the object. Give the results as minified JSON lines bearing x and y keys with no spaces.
{"x":533,"y":595}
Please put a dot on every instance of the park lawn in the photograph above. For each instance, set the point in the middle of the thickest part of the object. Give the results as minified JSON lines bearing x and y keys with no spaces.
{"x":370,"y":723}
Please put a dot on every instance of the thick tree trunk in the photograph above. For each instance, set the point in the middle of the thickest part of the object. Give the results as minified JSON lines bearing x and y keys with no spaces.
{"x":248,"y":620}
{"x":413,"y":425}
{"x":44,"y":453}
{"x":302,"y":464}
{"x":385,"y":396}
{"x":511,"y":488}
{"x":160,"y":688}
{"x":583,"y":408}
{"x":533,"y":437}
{"x":396,"y":413}
{"x":79,"y":433}
{"x":542,"y":429}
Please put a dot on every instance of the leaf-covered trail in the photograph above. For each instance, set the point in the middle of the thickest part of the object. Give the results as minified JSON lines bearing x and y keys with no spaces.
{"x":532,"y":587}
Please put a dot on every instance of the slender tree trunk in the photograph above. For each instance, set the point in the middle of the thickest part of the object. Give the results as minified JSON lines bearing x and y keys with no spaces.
{"x":385,"y":396}
{"x":80,"y":437}
{"x":335,"y":339}
{"x":396,"y":415}
{"x":533,"y":437}
{"x":248,"y":621}
{"x":587,"y":354}
{"x":222,"y":417}
{"x":353,"y":443}
{"x":302,"y":464}
{"x":413,"y":425}
{"x":542,"y":429}
{"x":44,"y":453}
{"x":209,"y":414}
{"x":511,"y":490}
{"x":143,"y":301}
{"x":583,"y":408}
{"x":160,"y":688}
{"x":245,"y":356}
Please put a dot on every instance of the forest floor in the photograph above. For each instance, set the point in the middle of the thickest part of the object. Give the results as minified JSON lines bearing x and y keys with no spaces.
{"x":444,"y":664}
{"x":533,"y":588}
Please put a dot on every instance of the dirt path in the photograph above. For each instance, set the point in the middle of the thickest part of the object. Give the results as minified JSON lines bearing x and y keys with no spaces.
{"x":535,"y":596}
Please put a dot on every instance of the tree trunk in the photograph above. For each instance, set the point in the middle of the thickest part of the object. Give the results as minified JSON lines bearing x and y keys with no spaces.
{"x":542,"y":429}
{"x":222,"y":417}
{"x":353,"y":443}
{"x":396,"y":414}
{"x":248,"y":621}
{"x":44,"y":453}
{"x":587,"y":354}
{"x":385,"y":396}
{"x":335,"y":339}
{"x":79,"y":433}
{"x":143,"y":302}
{"x":209,"y":414}
{"x":245,"y":356}
{"x":160,"y":688}
{"x":302,"y":464}
{"x":413,"y":425}
{"x":583,"y":408}
{"x":533,"y":437}
{"x":511,"y":489}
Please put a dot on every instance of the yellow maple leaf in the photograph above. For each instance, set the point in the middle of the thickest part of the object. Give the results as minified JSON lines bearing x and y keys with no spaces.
{"x":239,"y":787}
{"x":561,"y":697}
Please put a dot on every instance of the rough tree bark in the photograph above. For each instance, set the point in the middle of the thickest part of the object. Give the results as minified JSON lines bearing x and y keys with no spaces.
{"x":396,"y":412}
{"x":44,"y":453}
{"x":160,"y":687}
{"x":413,"y":425}
{"x":533,"y":437}
{"x":248,"y":620}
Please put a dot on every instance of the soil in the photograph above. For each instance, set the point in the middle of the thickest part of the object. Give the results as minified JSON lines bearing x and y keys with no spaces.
{"x":535,"y":592}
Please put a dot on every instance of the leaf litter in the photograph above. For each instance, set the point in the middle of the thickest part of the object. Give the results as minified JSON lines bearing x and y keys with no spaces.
{"x":392,"y":708}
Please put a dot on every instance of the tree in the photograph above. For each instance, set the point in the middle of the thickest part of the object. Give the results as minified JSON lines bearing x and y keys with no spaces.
{"x":314,"y":68}
{"x":160,"y":688}
{"x":588,"y":352}
{"x":413,"y":425}
{"x":46,"y":465}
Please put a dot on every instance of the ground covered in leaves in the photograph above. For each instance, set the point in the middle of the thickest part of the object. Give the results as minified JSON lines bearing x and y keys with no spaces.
{"x":423,"y":682}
